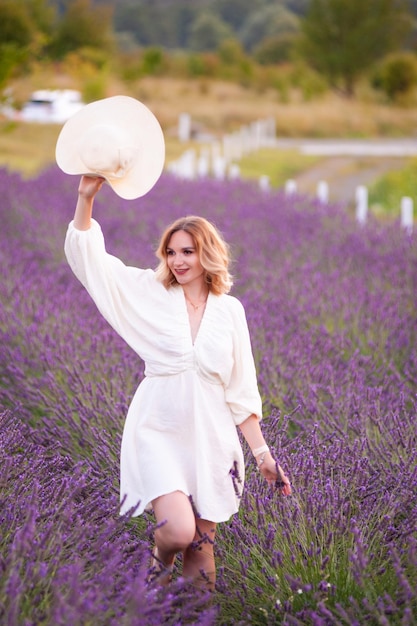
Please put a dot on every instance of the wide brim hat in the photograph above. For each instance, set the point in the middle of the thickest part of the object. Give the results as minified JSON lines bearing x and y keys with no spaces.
{"x":117,"y":138}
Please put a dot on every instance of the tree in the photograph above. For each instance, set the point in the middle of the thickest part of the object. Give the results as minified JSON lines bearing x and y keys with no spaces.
{"x":83,"y":26}
{"x":397,"y":75}
{"x":235,"y":12}
{"x":299,"y":7}
{"x":15,"y":25}
{"x":343,"y":38}
{"x":207,"y":32}
{"x":16,"y":36}
{"x":42,"y":15}
{"x":231,"y":52}
{"x":270,"y":22}
{"x":150,"y":24}
{"x":274,"y":50}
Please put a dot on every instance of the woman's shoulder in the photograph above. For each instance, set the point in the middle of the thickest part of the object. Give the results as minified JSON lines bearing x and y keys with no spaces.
{"x":231,"y":304}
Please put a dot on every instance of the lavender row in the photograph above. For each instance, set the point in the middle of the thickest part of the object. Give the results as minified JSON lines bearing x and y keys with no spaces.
{"x":331,"y":308}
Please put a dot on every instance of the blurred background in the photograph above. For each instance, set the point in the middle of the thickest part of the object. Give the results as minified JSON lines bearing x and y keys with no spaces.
{"x":320,"y":69}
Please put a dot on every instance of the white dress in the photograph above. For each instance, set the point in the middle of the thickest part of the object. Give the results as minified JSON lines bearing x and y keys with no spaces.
{"x":180,"y":431}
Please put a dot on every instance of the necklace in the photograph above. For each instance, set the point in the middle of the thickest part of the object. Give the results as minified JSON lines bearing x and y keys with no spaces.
{"x":196,"y":306}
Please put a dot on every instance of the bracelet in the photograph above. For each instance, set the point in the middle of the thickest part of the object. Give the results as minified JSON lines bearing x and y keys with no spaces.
{"x":257,"y":451}
{"x":262,"y":459}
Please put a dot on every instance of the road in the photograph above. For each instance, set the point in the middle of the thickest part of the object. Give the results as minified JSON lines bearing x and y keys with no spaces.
{"x":346,"y":164}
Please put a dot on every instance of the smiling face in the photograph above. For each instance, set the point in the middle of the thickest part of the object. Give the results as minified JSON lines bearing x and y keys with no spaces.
{"x":183,"y":259}
{"x":205,"y":253}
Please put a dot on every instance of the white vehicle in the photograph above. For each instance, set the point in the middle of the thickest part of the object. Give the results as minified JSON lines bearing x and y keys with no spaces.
{"x":51,"y":106}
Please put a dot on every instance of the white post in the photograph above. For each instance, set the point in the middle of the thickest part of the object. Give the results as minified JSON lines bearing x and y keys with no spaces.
{"x":290,"y":187}
{"x":228,"y":147}
{"x":361,"y":197}
{"x":264,"y":183}
{"x":245,"y":136}
{"x":256,"y":135}
{"x":219,"y":167}
{"x":323,"y":191}
{"x":233,"y":147}
{"x":186,"y":165}
{"x":184,"y":127}
{"x":271,"y":128}
{"x":407,"y":213}
{"x":234,"y":171}
{"x":216,"y":152}
{"x":173,"y":168}
{"x":203,"y":164}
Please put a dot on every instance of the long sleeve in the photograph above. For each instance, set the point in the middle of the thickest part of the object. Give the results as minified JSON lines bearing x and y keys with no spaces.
{"x":242,"y":393}
{"x":128,"y":298}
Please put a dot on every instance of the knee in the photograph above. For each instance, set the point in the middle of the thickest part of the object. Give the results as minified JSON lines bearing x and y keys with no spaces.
{"x":175,"y":536}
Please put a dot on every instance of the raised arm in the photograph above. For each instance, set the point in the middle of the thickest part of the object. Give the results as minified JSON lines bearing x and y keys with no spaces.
{"x":87,"y":190}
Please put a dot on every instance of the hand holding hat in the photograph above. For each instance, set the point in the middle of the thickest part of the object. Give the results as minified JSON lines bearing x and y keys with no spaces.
{"x":118,"y":139}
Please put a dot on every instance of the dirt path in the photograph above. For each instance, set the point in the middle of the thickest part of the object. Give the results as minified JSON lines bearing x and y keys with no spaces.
{"x":346,"y":164}
{"x":344,"y":174}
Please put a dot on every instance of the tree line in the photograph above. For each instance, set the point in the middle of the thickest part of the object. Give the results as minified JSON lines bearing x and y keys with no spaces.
{"x":339,"y":40}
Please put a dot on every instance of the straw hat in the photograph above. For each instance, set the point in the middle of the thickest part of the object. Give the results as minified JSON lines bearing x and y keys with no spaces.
{"x":117,"y":138}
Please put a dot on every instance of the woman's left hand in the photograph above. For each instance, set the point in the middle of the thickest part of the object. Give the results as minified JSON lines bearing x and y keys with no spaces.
{"x":274,"y":474}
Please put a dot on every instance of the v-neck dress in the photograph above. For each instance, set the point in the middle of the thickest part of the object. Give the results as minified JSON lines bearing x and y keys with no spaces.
{"x":180,"y":431}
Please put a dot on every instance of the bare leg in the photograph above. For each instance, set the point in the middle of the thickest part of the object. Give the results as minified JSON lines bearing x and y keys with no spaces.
{"x":176,"y":525}
{"x":199,"y":556}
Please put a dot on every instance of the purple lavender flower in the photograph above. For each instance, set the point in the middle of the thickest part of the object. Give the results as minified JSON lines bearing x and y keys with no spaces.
{"x":332,"y":313}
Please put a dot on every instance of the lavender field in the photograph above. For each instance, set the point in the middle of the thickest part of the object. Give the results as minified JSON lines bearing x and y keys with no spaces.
{"x":332,"y":309}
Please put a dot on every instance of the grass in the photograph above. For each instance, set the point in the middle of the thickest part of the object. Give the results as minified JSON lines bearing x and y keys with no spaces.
{"x":219,"y":107}
{"x":27,"y":148}
{"x":385,"y":195}
{"x":30,"y":148}
{"x":278,"y":165}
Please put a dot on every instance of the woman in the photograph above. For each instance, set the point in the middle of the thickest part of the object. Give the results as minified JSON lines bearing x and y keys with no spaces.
{"x":180,"y":453}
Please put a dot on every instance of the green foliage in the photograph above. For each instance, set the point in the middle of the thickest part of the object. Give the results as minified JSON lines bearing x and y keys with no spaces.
{"x":202,"y":65}
{"x":278,"y":166}
{"x":94,"y":88}
{"x":343,"y":38}
{"x":234,"y":64}
{"x":385,"y":195}
{"x":308,"y":81}
{"x":271,"y":21}
{"x":235,"y":12}
{"x":131,"y":20}
{"x":83,"y":25}
{"x":128,"y":67}
{"x":276,"y":49}
{"x":230,"y":51}
{"x":299,"y":7}
{"x":397,"y":75}
{"x":86,"y":60}
{"x":155,"y":25}
{"x":153,"y":61}
{"x":245,"y":72}
{"x":15,"y":24}
{"x":42,"y":14}
{"x":170,"y":24}
{"x":208,"y":32}
{"x":25,"y":29}
{"x":12,"y":56}
{"x":17,"y":33}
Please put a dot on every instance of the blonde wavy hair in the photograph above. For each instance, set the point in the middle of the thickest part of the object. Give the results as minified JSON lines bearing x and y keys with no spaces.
{"x":212,"y":251}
